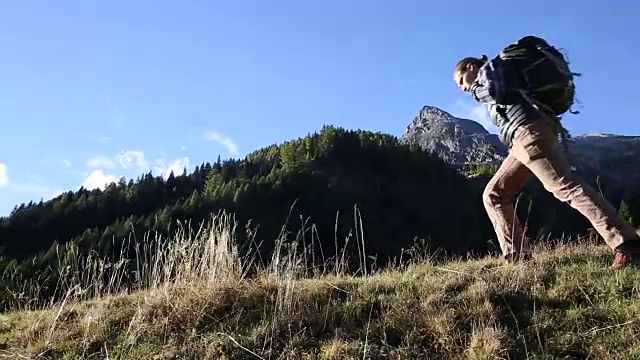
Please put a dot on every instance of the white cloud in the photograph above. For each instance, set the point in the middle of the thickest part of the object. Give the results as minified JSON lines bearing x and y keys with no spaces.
{"x":159,"y":166}
{"x":129,"y":163}
{"x":4,"y":179}
{"x":227,"y":142}
{"x":131,"y":158}
{"x":128,"y":159}
{"x":177,"y":167}
{"x":102,"y":161}
{"x":98,"y":180}
{"x":66,"y":162}
{"x":57,"y":192}
{"x":475,"y":111}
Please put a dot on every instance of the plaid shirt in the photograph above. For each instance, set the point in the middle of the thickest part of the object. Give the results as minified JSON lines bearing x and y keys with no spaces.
{"x":491,"y":84}
{"x":507,"y":106}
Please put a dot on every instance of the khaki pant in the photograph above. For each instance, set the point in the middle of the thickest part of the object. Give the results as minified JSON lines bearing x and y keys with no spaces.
{"x":534,"y":152}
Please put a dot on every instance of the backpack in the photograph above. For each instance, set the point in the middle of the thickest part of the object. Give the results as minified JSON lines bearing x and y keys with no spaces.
{"x":543,"y":73}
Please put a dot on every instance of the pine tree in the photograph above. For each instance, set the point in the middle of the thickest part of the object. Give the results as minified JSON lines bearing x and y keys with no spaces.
{"x":625,"y":212}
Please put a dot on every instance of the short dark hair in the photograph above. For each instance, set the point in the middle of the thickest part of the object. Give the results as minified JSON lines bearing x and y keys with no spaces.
{"x":462,"y":64}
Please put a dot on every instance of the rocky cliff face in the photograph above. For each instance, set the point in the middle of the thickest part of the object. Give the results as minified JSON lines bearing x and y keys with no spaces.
{"x":616,"y":157}
{"x":608,"y":159}
{"x":457,"y":141}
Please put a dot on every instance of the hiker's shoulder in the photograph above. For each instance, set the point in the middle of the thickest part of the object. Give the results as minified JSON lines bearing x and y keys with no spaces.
{"x":493,"y":65}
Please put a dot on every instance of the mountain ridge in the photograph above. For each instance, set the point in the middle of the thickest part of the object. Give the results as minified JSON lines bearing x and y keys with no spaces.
{"x":460,"y":142}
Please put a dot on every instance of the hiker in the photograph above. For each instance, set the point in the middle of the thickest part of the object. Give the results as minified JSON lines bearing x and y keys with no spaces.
{"x":526,"y":88}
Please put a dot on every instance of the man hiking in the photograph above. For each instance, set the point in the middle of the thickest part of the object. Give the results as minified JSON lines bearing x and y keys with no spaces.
{"x":526,"y":88}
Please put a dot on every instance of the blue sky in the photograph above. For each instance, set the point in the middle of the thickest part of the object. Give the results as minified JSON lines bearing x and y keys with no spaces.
{"x":94,"y":90}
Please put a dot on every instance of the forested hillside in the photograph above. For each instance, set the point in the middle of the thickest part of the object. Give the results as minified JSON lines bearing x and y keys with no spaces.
{"x":333,"y":188}
{"x":331,"y":185}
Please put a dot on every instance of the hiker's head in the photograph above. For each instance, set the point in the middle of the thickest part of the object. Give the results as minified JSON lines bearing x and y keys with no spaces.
{"x":466,"y":71}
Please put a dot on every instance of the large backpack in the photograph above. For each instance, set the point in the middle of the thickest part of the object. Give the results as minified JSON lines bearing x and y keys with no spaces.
{"x":544,"y":73}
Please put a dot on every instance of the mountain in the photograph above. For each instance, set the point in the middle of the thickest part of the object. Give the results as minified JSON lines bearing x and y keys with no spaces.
{"x":606,"y":160}
{"x":457,"y":141}
{"x":611,"y":155}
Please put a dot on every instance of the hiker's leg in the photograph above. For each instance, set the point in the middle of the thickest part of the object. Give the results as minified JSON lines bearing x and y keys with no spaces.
{"x":535,"y":145}
{"x":498,"y":198}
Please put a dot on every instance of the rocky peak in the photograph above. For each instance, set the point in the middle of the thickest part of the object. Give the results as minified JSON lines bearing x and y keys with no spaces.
{"x":457,"y":141}
{"x":601,"y":158}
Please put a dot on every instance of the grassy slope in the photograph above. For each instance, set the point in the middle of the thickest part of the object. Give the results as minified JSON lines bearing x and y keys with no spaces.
{"x":564,"y":305}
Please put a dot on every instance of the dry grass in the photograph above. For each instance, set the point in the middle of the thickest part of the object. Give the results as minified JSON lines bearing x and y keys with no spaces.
{"x":198,"y":304}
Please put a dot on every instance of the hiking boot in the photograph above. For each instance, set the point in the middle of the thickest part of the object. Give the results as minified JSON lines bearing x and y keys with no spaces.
{"x":626,"y":255}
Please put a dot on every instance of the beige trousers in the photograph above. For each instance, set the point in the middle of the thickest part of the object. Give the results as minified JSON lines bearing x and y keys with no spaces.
{"x":535,"y":152}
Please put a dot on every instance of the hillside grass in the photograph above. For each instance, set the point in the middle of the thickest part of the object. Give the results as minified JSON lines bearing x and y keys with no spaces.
{"x":196,"y":302}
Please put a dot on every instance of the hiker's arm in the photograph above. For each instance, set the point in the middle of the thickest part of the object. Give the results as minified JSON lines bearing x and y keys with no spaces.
{"x":490,"y":86}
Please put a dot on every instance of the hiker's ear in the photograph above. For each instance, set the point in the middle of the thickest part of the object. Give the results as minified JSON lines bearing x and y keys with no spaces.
{"x":470,"y":66}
